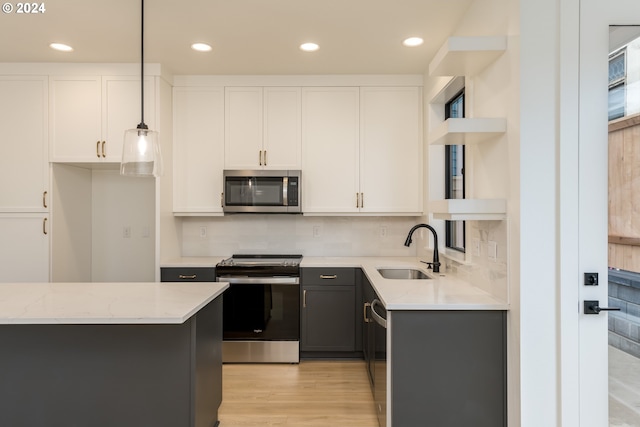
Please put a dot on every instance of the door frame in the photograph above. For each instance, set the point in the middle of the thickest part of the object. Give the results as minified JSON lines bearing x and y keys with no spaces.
{"x":592,"y":212}
{"x":561,"y":355}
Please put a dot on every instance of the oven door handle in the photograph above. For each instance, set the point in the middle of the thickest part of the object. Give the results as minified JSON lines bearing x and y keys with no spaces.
{"x":259,"y":280}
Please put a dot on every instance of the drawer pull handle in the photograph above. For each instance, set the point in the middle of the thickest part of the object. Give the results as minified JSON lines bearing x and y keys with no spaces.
{"x":326,"y":276}
{"x":191,"y":277}
{"x":304,"y":299}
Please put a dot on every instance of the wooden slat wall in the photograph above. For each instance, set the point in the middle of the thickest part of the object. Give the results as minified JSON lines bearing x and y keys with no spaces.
{"x":624,"y":194}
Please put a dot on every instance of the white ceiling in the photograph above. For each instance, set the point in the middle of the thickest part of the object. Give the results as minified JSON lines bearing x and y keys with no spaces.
{"x":248,"y":36}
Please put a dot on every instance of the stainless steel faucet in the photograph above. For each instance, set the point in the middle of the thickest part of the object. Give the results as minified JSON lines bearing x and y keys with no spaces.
{"x":436,"y":258}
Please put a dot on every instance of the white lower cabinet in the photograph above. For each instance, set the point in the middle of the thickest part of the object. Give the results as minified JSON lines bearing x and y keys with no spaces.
{"x":24,"y":253}
{"x":198,"y":150}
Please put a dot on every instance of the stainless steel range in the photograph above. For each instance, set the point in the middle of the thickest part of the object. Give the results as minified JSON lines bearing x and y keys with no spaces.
{"x":261,"y":308}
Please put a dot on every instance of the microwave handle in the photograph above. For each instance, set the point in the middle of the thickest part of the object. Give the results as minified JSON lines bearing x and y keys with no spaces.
{"x":285,"y":191}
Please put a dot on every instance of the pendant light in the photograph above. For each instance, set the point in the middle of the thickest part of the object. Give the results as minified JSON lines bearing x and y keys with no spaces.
{"x":141,"y":151}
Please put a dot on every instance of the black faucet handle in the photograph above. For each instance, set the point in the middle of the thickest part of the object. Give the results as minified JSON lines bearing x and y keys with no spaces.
{"x":429,"y":264}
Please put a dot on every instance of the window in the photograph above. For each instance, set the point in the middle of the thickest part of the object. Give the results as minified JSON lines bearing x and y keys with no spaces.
{"x":617,"y":84}
{"x":454,"y":179}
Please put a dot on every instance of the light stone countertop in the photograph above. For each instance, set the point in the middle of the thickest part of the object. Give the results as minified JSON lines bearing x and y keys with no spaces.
{"x":104,"y":303}
{"x":445,"y":291}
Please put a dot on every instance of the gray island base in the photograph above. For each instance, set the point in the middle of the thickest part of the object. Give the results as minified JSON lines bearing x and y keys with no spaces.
{"x":67,"y":375}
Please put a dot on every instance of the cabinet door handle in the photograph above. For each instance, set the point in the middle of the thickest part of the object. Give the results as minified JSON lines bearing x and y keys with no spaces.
{"x":104,"y":152}
{"x":260,"y":158}
{"x":304,"y":299}
{"x":44,"y":199}
{"x":327,"y":276}
{"x":357,"y":200}
{"x":265,"y":157}
{"x":44,"y":226}
{"x":190,"y":277}
{"x":364,"y":312}
{"x":222,"y":200}
{"x":98,"y":149}
{"x":362,"y":200}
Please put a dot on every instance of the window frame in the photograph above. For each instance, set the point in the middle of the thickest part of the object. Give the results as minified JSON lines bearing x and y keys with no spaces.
{"x":450,"y":226}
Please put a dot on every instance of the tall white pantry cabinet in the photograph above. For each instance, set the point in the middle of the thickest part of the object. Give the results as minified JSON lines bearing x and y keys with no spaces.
{"x":24,"y":179}
{"x":65,"y":212}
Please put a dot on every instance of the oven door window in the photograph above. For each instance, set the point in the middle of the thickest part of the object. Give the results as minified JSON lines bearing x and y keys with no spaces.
{"x":254,"y":191}
{"x":261,"y":312}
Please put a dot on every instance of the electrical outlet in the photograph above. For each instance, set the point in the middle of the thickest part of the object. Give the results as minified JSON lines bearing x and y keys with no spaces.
{"x":316,"y":231}
{"x":492,"y":250}
{"x":475,"y":246}
{"x":126,"y":232}
{"x":203,"y":232}
{"x":383,"y":231}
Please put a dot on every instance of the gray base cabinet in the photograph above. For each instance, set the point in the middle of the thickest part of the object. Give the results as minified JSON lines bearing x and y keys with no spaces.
{"x":66,"y":375}
{"x":446,"y":368}
{"x":328,"y":315}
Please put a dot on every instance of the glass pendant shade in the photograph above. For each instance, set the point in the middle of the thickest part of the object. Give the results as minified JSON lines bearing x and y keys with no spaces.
{"x":141,"y":150}
{"x":141,"y":153}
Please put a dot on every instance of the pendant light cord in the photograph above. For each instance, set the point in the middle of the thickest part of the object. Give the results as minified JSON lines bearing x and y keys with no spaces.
{"x":142,"y":124}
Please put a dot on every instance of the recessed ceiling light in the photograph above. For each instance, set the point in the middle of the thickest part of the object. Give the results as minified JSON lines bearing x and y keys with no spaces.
{"x":309,"y":47}
{"x":61,"y":47}
{"x":413,"y":41}
{"x":201,"y":47}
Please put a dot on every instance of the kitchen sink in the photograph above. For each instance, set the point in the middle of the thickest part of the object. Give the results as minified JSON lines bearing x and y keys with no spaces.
{"x":403,"y":273}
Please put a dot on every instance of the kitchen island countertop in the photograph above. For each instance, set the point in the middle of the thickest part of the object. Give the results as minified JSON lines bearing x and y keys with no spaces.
{"x":104,"y":303}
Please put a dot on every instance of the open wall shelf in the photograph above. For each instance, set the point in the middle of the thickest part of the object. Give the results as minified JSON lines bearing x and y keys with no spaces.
{"x":466,"y":56}
{"x":467,"y":131}
{"x":469,"y":209}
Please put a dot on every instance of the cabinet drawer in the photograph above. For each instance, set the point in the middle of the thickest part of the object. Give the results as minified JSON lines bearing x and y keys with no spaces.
{"x":329,"y":276}
{"x":188,"y":274}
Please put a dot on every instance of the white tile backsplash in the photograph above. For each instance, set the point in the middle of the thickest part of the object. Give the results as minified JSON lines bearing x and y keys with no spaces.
{"x":485,"y":273}
{"x":347,"y":236}
{"x":335,"y":236}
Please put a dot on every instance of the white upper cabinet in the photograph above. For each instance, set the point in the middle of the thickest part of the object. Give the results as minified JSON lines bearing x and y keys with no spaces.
{"x":89,"y":115}
{"x":24,"y":168}
{"x":262,"y":128}
{"x":198,"y":150}
{"x":330,"y":147}
{"x":362,"y":150}
{"x":391,"y":150}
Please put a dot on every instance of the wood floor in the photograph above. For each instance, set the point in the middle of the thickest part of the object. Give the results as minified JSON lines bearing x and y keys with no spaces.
{"x":313,"y":393}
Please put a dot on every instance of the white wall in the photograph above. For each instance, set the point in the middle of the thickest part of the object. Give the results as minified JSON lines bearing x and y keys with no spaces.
{"x":492,"y":169}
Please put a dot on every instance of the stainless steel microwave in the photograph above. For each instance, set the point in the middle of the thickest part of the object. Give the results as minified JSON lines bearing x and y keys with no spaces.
{"x":262,"y":191}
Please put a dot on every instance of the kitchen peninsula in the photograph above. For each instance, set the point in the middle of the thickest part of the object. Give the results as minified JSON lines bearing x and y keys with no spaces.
{"x":105,"y":354}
